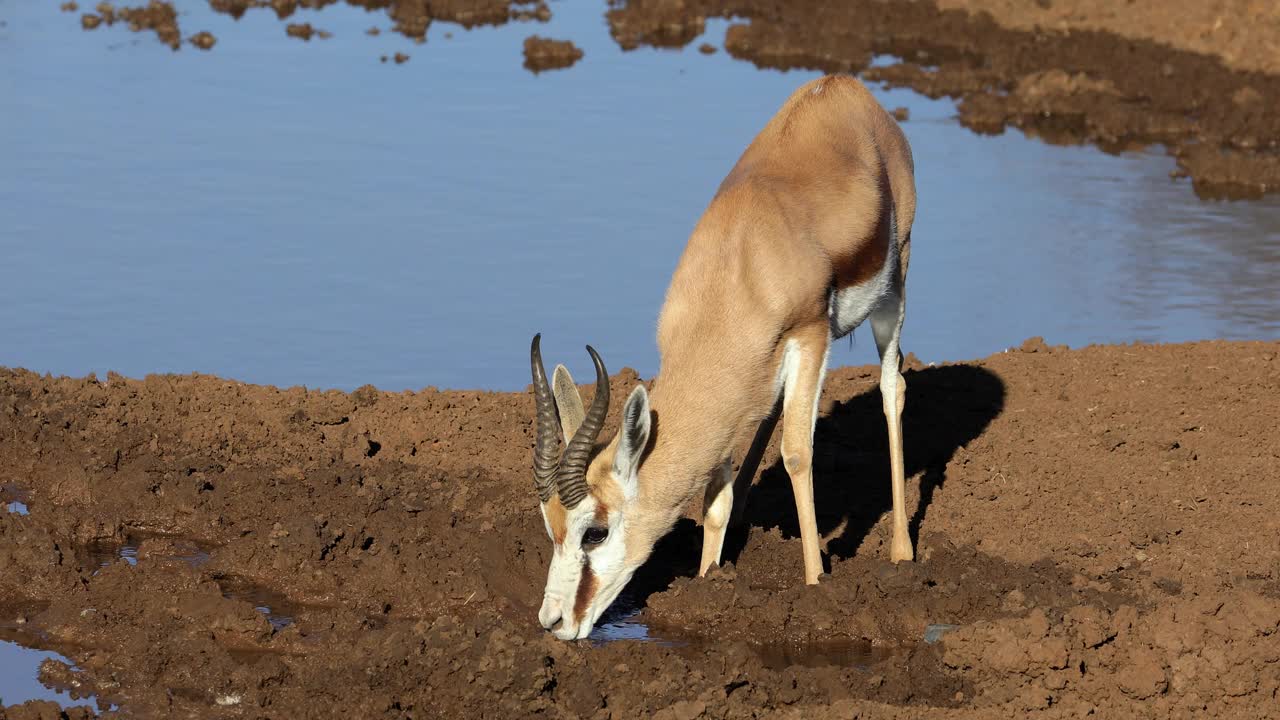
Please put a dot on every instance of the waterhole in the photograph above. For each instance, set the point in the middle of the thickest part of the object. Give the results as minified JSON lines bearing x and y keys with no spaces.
{"x":205,"y":219}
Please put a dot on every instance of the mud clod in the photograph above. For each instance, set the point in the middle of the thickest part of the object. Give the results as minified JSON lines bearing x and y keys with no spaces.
{"x":542,"y":54}
{"x":203,"y":40}
{"x":302,"y":31}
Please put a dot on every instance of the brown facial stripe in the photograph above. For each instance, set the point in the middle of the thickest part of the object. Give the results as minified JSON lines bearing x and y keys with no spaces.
{"x":602,"y":514}
{"x":557,"y":518}
{"x":586,"y":591}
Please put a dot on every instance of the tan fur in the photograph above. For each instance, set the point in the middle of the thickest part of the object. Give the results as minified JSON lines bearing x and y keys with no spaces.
{"x":557,"y":518}
{"x":801,"y":214}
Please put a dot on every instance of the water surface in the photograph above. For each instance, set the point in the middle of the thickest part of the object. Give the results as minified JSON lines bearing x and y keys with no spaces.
{"x":20,"y":665}
{"x":299,"y":213}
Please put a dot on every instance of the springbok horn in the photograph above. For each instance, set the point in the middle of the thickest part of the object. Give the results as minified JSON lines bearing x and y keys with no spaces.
{"x":571,"y":479}
{"x":547,"y":447}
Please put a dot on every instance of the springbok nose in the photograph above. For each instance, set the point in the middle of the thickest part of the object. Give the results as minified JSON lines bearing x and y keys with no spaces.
{"x":550,"y":614}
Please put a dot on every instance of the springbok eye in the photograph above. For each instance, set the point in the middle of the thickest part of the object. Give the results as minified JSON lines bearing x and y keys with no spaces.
{"x":594,"y":535}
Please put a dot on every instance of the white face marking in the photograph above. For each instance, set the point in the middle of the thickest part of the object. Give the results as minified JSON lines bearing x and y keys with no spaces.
{"x":584,"y":579}
{"x":605,"y":561}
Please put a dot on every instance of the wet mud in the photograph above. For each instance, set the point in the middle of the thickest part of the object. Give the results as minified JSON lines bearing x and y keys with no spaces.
{"x":542,"y":54}
{"x":1108,"y":85}
{"x":1094,"y":530}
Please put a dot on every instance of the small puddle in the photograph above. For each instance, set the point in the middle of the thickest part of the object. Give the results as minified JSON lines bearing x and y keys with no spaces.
{"x":933,"y":633}
{"x":279,"y":610}
{"x":624,"y":622}
{"x":21,"y":661}
{"x":14,"y":499}
{"x":99,"y":555}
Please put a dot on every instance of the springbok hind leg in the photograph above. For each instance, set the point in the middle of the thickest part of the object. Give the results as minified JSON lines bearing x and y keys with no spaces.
{"x":886,"y":325}
{"x":804,"y":365}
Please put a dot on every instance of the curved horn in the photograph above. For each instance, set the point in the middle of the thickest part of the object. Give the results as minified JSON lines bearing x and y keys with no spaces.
{"x":547,"y":447}
{"x":571,"y":479}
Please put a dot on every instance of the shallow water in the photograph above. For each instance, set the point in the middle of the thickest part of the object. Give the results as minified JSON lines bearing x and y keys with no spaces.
{"x":277,"y":608}
{"x":102,"y":554}
{"x":19,"y":682}
{"x":624,"y":622}
{"x":299,"y":213}
{"x":20,"y":668}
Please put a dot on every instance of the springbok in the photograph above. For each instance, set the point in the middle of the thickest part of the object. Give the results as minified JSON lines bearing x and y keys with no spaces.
{"x":807,"y":237}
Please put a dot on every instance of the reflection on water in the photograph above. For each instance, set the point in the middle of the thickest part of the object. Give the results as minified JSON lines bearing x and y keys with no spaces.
{"x":101,"y":554}
{"x":277,"y":608}
{"x":299,"y":213}
{"x":624,"y":621}
{"x":21,"y":678}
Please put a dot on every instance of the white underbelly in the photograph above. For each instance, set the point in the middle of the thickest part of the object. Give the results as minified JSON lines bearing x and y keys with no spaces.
{"x":848,"y":307}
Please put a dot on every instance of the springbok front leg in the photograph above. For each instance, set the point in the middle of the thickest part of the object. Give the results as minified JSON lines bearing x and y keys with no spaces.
{"x":804,"y":366}
{"x":886,"y":325}
{"x":751,"y":463}
{"x":716,"y":507}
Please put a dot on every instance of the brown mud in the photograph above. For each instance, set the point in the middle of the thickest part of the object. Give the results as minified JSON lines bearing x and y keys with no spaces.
{"x":542,"y":54}
{"x":1114,"y":87}
{"x":1098,"y":525}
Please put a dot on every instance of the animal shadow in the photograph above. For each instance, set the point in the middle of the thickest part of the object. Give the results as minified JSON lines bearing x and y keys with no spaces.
{"x":947,"y":407}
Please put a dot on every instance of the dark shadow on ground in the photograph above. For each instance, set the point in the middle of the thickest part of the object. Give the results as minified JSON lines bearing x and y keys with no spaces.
{"x":947,"y":407}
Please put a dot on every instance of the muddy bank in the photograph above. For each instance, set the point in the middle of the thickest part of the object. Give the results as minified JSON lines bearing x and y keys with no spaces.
{"x":1244,"y":33}
{"x":1097,"y":525}
{"x":1114,"y":87}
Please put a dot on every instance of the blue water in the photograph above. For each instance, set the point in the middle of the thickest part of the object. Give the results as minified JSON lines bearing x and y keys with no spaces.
{"x":299,"y":213}
{"x":19,"y":668}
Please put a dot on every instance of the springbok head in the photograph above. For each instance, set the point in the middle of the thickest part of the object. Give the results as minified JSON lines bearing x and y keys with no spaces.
{"x":586,"y":494}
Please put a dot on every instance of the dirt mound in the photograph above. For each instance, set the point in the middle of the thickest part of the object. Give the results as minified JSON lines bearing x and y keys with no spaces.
{"x":1093,"y":534}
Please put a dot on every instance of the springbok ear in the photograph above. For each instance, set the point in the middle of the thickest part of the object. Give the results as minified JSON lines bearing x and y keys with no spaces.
{"x":633,"y":437}
{"x":568,"y":402}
